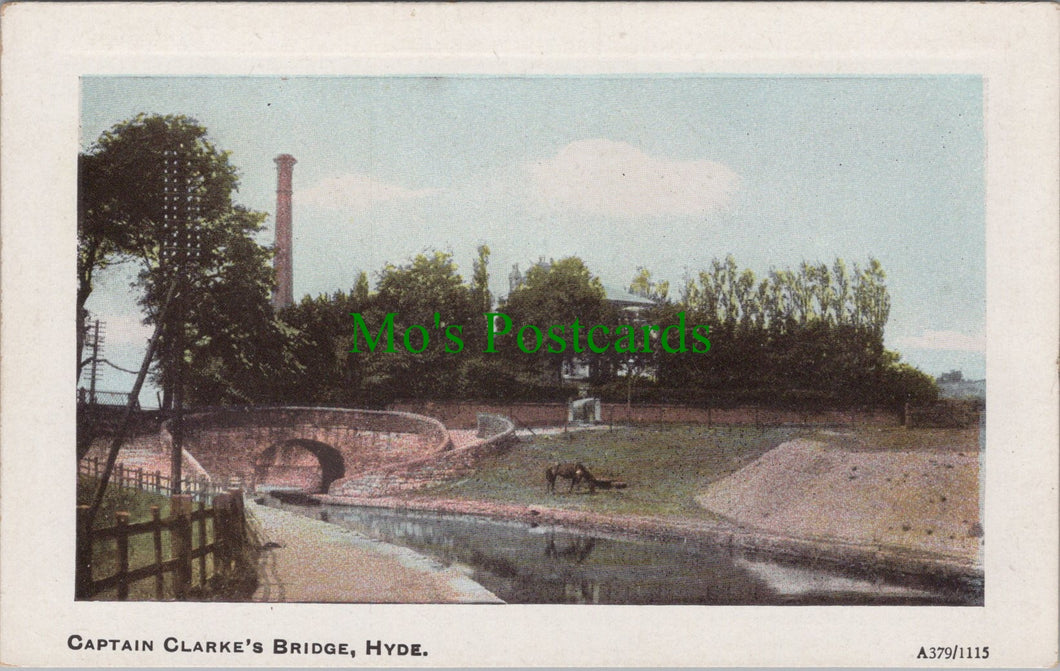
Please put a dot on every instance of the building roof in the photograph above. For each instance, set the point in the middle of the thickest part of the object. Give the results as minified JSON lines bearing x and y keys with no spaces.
{"x":623,"y":297}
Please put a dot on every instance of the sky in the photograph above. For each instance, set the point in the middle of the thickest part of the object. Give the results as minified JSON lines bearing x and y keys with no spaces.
{"x":666,"y":172}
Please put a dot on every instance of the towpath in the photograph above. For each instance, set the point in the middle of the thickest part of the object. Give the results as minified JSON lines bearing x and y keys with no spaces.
{"x":307,"y":560}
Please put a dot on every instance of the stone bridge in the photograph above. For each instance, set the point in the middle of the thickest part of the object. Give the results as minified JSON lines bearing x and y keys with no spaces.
{"x":312,"y":449}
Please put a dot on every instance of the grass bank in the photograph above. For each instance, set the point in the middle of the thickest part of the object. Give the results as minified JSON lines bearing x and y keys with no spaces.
{"x":664,"y":468}
{"x":119,"y":499}
{"x":105,"y":559}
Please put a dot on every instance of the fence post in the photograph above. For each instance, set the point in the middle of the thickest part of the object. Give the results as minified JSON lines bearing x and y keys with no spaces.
{"x":221,"y":554}
{"x":140,"y":478}
{"x":202,"y":542}
{"x":160,"y":582}
{"x":122,"y":518}
{"x":83,"y":586}
{"x":237,"y":528}
{"x":180,"y":539}
{"x":158,"y":481}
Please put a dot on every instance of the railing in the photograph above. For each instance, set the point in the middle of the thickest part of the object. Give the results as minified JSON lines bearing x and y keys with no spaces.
{"x":200,"y":488}
{"x":117,"y":399}
{"x":189,"y":542}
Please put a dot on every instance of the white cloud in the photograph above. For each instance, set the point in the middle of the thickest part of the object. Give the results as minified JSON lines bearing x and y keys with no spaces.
{"x":617,"y":179}
{"x":355,"y":192}
{"x":945,"y":340}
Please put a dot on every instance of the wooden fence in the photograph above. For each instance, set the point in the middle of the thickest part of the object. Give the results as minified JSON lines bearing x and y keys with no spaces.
{"x":199,"y":488}
{"x":225,"y":547}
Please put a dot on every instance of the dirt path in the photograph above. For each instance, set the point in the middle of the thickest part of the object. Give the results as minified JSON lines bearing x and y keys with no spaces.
{"x":308,"y":560}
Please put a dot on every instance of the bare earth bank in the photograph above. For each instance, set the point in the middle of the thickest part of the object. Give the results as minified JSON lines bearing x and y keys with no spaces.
{"x":924,"y":501}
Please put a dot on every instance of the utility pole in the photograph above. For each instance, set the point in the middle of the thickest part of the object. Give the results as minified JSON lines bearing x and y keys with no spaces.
{"x":97,"y":345}
{"x":179,"y":254}
{"x":181,"y":251}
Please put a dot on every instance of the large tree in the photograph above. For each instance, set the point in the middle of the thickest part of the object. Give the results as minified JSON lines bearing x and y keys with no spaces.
{"x":122,"y":182}
{"x":556,"y":294}
{"x":156,"y":190}
{"x":428,"y":298}
{"x":814,"y":332}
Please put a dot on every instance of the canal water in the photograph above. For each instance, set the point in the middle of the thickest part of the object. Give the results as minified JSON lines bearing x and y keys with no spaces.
{"x":538,"y":564}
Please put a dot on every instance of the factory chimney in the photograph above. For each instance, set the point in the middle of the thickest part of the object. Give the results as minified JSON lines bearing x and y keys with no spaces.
{"x":283,"y":294}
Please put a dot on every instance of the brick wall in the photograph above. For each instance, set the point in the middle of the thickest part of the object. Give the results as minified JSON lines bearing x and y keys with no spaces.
{"x":497,"y":432}
{"x":947,"y":414}
{"x":463,"y":414}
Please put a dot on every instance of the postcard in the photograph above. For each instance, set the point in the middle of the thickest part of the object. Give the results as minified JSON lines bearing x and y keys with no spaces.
{"x":529,"y":335}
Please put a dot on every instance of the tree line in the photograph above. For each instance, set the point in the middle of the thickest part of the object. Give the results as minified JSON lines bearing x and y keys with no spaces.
{"x":811,"y":335}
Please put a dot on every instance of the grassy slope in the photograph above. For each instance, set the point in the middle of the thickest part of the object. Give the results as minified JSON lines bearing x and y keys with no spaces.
{"x":663,"y":467}
{"x":141,"y":547}
{"x":897,"y":438}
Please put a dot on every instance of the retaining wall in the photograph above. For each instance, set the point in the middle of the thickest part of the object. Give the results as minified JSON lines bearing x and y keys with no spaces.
{"x":947,"y":414}
{"x":497,"y":434}
{"x":463,"y":415}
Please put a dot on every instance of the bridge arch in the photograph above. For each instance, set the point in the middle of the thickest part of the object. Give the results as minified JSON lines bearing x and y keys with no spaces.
{"x":307,"y":448}
{"x":299,"y":463}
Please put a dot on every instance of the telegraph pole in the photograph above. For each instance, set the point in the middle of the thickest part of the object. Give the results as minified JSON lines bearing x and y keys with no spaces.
{"x":95,"y":341}
{"x":180,"y":252}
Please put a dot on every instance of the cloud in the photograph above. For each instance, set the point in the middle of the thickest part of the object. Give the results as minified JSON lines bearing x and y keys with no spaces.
{"x":945,"y":340}
{"x":616,"y":179}
{"x":356,"y":192}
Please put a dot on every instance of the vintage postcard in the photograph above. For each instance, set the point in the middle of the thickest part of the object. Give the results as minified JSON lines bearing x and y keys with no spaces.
{"x":529,"y":335}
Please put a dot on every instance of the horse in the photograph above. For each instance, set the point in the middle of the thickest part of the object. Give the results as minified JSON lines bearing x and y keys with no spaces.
{"x":576,"y":473}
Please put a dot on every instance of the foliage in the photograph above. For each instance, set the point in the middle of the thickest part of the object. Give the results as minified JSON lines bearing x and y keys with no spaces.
{"x":808,"y":338}
{"x":221,"y":309}
{"x":133,"y":501}
{"x":554,"y":293}
{"x":644,"y":286}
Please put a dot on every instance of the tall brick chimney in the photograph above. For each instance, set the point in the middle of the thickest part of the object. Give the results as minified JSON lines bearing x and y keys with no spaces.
{"x":283,"y":294}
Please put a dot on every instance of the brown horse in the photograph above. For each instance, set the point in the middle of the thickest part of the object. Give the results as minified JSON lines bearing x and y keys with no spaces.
{"x":576,"y":473}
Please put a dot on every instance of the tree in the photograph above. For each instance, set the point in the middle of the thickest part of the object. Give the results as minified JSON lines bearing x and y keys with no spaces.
{"x":132,"y":180}
{"x":325,"y":372}
{"x":644,"y":286}
{"x":426,"y":292}
{"x":237,"y":350}
{"x":122,"y":183}
{"x":156,"y":190}
{"x":557,"y":293}
{"x":950,"y":377}
{"x":481,"y":299}
{"x":813,"y":333}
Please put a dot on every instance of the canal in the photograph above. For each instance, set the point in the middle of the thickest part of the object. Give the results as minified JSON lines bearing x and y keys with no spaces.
{"x":540,"y":564}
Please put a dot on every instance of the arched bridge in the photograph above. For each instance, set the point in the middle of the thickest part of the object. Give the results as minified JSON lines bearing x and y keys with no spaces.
{"x":312,"y":449}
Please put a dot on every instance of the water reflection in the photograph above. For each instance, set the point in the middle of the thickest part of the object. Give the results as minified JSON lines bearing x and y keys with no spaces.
{"x":545,"y":564}
{"x":575,"y":552}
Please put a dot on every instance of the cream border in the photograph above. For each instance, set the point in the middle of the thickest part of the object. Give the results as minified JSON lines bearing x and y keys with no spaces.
{"x":46,"y":47}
